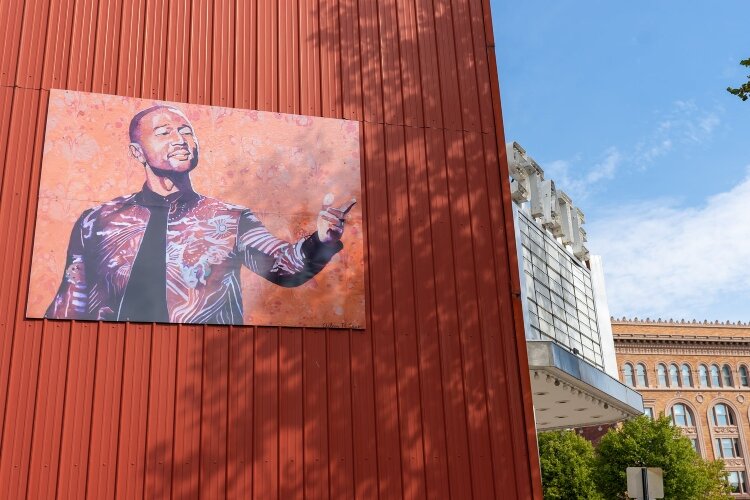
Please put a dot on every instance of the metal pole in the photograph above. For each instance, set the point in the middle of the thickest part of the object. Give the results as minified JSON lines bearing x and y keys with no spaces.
{"x":644,"y":477}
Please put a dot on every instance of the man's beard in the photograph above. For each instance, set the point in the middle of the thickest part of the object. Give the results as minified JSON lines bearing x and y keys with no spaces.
{"x":174,"y":175}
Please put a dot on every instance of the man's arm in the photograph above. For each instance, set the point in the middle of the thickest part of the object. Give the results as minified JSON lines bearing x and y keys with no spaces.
{"x":72,"y":298}
{"x":280,"y":262}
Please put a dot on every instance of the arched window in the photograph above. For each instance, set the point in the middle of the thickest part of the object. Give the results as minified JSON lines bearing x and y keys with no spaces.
{"x":681,"y":415}
{"x":703,"y":375}
{"x":726,"y":375}
{"x":674,"y":376}
{"x":715,"y":380}
{"x":661,"y":374}
{"x":687,"y":377}
{"x":723,"y":415}
{"x":640,"y":374}
{"x":627,"y":374}
{"x":744,"y":382}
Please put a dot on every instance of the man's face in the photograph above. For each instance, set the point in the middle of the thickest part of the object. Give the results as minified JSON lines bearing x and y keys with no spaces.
{"x":167,"y":142}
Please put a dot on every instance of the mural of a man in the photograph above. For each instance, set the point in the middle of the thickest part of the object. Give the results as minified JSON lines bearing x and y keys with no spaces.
{"x":169,"y":254}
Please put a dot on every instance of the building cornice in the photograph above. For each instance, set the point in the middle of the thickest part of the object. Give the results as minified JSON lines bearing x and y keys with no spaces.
{"x":635,"y":343}
{"x":679,"y":322}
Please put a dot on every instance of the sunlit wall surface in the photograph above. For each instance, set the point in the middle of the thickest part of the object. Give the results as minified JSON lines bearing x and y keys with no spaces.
{"x":557,"y":293}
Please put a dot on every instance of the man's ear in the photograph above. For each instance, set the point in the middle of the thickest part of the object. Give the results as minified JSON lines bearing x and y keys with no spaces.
{"x":137,"y":152}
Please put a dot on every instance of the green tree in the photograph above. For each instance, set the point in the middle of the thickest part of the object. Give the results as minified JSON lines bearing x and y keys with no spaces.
{"x":566,"y":459}
{"x":743,"y":91}
{"x":643,"y":442}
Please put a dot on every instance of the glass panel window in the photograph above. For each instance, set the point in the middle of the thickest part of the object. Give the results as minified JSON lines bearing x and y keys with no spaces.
{"x":743,"y":376}
{"x":674,"y":377}
{"x":694,"y":442}
{"x":687,"y":377}
{"x":726,"y":374}
{"x":661,"y":374}
{"x":649,"y":412}
{"x":727,"y":447}
{"x":737,"y":481}
{"x":723,"y":415}
{"x":715,"y":380}
{"x":703,"y":375}
{"x":640,"y":372}
{"x":627,"y":374}
{"x":681,"y":416}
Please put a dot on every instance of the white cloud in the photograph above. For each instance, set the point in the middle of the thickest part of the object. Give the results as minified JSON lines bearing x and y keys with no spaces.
{"x":685,"y":124}
{"x":577,"y":182}
{"x":665,"y":260}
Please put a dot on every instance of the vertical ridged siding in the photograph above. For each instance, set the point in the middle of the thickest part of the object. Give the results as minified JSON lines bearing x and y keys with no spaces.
{"x":431,"y":401}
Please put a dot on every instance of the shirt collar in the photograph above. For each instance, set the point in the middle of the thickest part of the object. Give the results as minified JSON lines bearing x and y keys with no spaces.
{"x":147,"y":197}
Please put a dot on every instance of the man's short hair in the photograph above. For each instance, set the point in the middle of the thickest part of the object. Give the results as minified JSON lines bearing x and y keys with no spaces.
{"x":136,"y":120}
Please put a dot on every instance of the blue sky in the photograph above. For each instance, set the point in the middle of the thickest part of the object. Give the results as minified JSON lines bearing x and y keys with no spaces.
{"x":624,"y":105}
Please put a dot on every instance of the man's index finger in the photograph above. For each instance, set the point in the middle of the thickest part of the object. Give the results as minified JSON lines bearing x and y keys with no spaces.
{"x":348,"y":206}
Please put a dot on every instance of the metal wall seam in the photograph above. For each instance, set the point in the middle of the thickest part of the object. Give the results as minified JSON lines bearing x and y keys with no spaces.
{"x":57,"y":46}
{"x":309,"y":46}
{"x":12,"y":14}
{"x":447,"y":66}
{"x":154,"y":50}
{"x":471,"y":360}
{"x":393,"y":91}
{"x":31,"y":49}
{"x":404,"y":323}
{"x":223,"y":48}
{"x":107,"y":46}
{"x":502,"y":397}
{"x":178,"y":76}
{"x":105,"y":413}
{"x":246,"y":56}
{"x":45,"y":446}
{"x":268,"y":52}
{"x":291,"y":414}
{"x":160,"y":418}
{"x":448,"y":326}
{"x":410,"y":67}
{"x":429,"y":68}
{"x":426,"y":338}
{"x":339,"y":407}
{"x":201,"y":34}
{"x":372,"y":87}
{"x":187,"y":412}
{"x":240,"y":412}
{"x":481,"y":67}
{"x":130,"y":60}
{"x":351,"y":67}
{"x":266,"y":413}
{"x":316,"y":449}
{"x":381,"y":319}
{"x":289,"y":51}
{"x":364,"y":420}
{"x":83,"y":41}
{"x":465,"y":64}
{"x":131,"y":456}
{"x":21,"y":346}
{"x":214,"y":392}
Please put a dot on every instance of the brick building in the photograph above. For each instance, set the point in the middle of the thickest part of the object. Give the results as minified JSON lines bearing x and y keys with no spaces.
{"x":698,"y":375}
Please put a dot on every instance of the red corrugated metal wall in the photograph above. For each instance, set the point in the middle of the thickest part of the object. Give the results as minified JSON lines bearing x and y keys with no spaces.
{"x":431,"y":401}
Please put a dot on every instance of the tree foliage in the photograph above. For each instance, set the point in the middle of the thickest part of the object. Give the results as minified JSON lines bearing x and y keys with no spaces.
{"x":567,"y":460}
{"x":643,"y":442}
{"x":743,"y":91}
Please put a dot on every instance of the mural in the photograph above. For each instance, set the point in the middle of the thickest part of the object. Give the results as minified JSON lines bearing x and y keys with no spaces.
{"x":178,"y":213}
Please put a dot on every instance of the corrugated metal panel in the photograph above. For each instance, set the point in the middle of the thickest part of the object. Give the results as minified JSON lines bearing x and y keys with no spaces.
{"x":431,"y":400}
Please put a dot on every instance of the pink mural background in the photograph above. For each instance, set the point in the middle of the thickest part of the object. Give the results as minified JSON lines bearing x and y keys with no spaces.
{"x":280,"y":166}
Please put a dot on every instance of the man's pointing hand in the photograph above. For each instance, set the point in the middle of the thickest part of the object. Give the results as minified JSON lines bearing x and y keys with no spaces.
{"x":331,"y":220}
